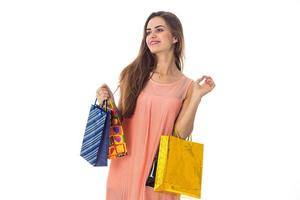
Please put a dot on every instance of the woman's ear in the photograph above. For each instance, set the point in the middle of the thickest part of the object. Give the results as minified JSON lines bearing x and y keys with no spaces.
{"x":175,"y":40}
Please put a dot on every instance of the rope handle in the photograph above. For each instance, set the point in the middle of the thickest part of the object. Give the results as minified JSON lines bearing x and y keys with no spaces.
{"x":116,"y":89}
{"x":109,"y":99}
{"x":116,"y":111}
{"x":189,"y":138}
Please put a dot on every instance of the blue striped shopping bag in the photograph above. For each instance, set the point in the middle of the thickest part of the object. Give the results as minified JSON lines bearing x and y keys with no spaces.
{"x":95,"y":142}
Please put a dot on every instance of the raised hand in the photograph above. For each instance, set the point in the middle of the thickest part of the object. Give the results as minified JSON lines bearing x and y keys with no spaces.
{"x":199,"y":90}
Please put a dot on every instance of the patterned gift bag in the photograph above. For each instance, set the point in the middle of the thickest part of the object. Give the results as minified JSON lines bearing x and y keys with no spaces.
{"x":117,"y":143}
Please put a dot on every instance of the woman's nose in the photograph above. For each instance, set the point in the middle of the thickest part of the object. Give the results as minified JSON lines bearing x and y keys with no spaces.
{"x":152,"y":35}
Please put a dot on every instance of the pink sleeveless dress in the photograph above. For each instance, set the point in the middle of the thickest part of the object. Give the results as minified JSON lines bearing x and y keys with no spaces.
{"x":155,"y":113}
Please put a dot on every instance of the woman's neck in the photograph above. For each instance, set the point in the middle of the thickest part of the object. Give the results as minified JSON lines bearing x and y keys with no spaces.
{"x":166,"y":64}
{"x":166,"y":70}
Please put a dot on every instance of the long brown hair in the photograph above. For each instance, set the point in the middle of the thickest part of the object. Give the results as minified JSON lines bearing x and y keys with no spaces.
{"x":134,"y":77}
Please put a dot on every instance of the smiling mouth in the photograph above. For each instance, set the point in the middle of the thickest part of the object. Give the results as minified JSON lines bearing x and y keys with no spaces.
{"x":154,"y":43}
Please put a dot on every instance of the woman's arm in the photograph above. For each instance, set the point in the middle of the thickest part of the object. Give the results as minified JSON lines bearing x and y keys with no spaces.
{"x":185,"y":121}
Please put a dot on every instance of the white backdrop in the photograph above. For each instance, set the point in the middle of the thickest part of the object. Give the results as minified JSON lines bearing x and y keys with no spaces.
{"x":55,"y":54}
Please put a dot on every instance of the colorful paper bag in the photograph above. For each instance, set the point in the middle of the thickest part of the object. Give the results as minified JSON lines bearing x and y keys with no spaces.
{"x":94,"y":148}
{"x":117,"y":142}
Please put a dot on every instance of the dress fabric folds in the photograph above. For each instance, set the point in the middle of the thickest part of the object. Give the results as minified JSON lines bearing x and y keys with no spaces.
{"x":157,"y":108}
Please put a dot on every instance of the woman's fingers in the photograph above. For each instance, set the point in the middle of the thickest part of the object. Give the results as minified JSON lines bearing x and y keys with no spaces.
{"x":200,"y":79}
{"x":103,"y":92}
{"x":207,"y":79}
{"x":210,"y":82}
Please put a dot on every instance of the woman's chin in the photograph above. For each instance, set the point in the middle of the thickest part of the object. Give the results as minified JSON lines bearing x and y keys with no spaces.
{"x":155,"y":51}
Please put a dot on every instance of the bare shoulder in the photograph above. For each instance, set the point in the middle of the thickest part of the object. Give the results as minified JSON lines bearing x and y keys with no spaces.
{"x":191,"y":83}
{"x":189,"y":91}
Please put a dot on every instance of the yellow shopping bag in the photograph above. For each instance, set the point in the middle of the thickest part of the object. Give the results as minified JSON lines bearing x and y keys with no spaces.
{"x":179,"y":166}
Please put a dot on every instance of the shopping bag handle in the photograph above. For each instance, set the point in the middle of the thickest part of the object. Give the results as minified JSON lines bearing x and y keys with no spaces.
{"x":189,"y":138}
{"x":109,"y":99}
{"x":104,"y":103}
{"x":116,"y":89}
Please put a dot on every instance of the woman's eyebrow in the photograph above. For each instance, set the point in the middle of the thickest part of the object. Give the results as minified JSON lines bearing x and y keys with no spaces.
{"x":156,"y":27}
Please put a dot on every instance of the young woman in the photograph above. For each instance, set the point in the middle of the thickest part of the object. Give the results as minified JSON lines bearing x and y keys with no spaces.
{"x":155,"y":98}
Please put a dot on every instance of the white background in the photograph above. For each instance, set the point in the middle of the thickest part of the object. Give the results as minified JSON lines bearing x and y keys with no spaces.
{"x":55,"y":54}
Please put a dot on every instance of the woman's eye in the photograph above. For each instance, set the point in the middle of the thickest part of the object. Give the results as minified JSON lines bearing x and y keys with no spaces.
{"x":157,"y":30}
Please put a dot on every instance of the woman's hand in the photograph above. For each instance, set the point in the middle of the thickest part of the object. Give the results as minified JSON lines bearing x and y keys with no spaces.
{"x":199,"y":90}
{"x":104,"y":93}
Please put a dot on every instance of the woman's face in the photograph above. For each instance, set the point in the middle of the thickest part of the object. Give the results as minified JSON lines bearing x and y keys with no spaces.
{"x":158,"y":36}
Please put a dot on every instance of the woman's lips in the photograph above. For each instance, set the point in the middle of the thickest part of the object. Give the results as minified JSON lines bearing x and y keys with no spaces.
{"x":154,"y":42}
